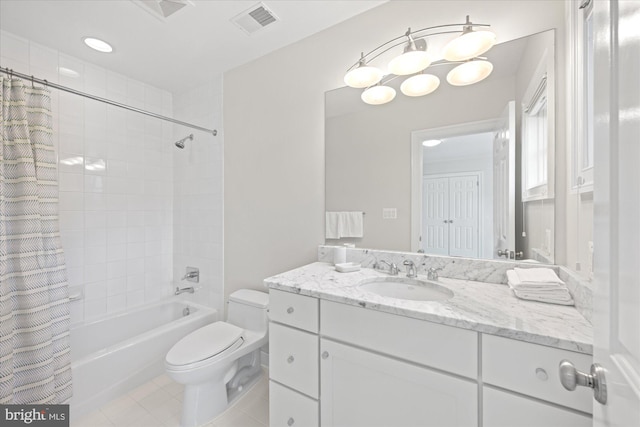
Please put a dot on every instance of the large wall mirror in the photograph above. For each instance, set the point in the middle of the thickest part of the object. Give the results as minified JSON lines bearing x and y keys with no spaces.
{"x":486,"y":190}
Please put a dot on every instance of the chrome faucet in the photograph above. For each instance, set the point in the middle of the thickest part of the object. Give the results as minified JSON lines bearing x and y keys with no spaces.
{"x":432,"y":273}
{"x":180,"y":290}
{"x":412,"y":272}
{"x":193,"y":275}
{"x":393,"y":268}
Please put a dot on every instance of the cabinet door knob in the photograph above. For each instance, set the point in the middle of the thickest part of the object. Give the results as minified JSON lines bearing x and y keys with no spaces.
{"x":325,"y":354}
{"x":290,"y":359}
{"x":290,"y":421}
{"x":541,"y":374}
{"x":290,"y":310}
{"x":570,"y":378}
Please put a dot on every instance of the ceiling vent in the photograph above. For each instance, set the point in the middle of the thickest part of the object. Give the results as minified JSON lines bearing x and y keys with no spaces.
{"x":162,"y":9}
{"x":255,"y":18}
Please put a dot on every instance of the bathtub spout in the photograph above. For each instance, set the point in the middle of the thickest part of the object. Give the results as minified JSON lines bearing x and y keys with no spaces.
{"x":183,"y":290}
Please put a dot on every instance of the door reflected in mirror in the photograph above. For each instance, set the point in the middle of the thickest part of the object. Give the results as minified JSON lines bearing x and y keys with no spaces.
{"x":462,"y":196}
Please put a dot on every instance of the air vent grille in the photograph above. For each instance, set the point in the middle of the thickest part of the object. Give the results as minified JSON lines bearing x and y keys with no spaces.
{"x":254,"y":18}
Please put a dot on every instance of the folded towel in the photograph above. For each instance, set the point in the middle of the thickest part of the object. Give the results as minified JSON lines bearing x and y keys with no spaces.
{"x":537,"y":275}
{"x":344,"y":224}
{"x":552,"y":290}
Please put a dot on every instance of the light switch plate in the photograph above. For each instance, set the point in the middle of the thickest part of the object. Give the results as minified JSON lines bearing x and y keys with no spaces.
{"x":389,"y":213}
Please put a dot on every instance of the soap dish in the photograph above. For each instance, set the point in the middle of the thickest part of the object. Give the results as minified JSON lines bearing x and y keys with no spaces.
{"x":347,"y":267}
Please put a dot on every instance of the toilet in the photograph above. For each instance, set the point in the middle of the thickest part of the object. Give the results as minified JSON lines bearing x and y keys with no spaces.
{"x":217,"y":362}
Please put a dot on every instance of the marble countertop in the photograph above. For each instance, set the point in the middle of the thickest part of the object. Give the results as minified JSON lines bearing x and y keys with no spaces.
{"x":484,"y":307}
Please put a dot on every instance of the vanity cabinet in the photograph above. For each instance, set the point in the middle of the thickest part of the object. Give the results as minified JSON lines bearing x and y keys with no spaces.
{"x":293,"y":360}
{"x":334,"y":364}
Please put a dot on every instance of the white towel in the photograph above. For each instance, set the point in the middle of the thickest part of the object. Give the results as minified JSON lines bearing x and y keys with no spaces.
{"x":532,"y":276}
{"x":543,"y":286}
{"x":344,"y":224}
{"x":331,"y":230}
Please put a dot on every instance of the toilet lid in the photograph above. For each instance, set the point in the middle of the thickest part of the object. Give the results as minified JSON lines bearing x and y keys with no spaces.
{"x":204,"y":343}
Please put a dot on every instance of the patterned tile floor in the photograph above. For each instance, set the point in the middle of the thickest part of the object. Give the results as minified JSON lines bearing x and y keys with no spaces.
{"x":158,"y":403}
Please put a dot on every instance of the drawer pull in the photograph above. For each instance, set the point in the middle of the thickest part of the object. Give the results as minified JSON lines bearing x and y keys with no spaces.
{"x":290,"y":421}
{"x":541,"y":374}
{"x":570,"y":378}
{"x":325,"y":354}
{"x":290,"y":310}
{"x":290,"y":359}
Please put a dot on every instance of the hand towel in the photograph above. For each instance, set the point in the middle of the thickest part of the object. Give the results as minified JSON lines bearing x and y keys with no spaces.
{"x":344,"y":224}
{"x":331,"y":228}
{"x":351,"y":224}
{"x":552,"y":291}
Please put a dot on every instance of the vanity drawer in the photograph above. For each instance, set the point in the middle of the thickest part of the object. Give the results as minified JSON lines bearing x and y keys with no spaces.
{"x":293,"y":358}
{"x":290,"y":409}
{"x":427,"y":343}
{"x":292,"y":309}
{"x":533,"y":370}
{"x":503,"y":409}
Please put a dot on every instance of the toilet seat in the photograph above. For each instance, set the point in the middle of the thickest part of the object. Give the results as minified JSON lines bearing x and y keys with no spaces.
{"x":204,"y":346}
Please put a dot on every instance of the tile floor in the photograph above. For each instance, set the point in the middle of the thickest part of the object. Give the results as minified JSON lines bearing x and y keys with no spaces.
{"x":158,"y":403}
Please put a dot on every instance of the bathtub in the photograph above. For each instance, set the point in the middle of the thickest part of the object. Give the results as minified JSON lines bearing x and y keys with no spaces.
{"x":112,"y":356}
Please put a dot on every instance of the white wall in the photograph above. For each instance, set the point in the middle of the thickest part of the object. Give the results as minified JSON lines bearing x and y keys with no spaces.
{"x":197,"y":188}
{"x":274,"y":121}
{"x":115,"y":174}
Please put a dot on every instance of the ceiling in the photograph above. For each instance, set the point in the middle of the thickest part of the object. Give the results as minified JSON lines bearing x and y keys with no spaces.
{"x":195,"y":44}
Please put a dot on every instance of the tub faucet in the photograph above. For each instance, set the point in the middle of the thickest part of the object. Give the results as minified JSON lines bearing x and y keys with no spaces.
{"x":393,"y":268}
{"x":412,"y":272}
{"x":192,"y":275}
{"x":180,"y":290}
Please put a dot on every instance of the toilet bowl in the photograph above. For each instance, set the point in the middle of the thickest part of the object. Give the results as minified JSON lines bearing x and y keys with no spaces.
{"x":217,"y":362}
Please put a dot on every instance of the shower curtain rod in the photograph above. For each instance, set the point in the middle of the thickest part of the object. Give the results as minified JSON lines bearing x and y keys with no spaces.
{"x":44,"y":82}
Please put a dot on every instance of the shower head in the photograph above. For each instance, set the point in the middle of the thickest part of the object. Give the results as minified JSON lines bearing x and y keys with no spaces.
{"x":180,"y":144}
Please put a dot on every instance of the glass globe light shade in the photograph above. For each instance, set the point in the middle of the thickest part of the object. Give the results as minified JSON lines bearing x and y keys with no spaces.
{"x":363,"y":76}
{"x":378,"y":95}
{"x":419,"y":85}
{"x":468,"y":45}
{"x":410,"y":62}
{"x":469,"y":73}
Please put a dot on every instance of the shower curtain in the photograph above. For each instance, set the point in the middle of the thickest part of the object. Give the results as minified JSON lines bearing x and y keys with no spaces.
{"x":35,"y":357}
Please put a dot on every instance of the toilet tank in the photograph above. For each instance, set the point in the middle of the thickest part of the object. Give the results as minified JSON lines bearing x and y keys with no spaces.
{"x":248,"y":309}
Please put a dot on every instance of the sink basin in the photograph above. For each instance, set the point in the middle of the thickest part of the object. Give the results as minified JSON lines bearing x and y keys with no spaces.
{"x":405,"y":288}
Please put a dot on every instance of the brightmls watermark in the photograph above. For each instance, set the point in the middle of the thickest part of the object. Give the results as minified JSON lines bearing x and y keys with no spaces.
{"x":34,"y":415}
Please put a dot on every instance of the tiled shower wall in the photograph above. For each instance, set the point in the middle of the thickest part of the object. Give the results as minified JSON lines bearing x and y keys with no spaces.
{"x":116,"y":180}
{"x":198,"y":193}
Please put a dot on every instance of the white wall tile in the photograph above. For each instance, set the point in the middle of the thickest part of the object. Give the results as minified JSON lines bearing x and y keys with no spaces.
{"x":116,"y":269}
{"x":95,"y":219}
{"x":14,"y":47}
{"x":95,"y":308}
{"x":117,"y":286}
{"x":116,"y":303}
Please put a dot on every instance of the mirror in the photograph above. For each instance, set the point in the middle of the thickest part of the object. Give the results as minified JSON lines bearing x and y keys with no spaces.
{"x":466,"y":196}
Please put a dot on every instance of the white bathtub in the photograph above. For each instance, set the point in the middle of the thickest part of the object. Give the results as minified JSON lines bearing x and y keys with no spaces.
{"x":114,"y":355}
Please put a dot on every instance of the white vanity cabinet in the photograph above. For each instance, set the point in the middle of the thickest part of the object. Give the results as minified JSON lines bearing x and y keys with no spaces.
{"x":531,"y":371}
{"x":293,"y":360}
{"x":335,"y":364}
{"x":379,"y":369}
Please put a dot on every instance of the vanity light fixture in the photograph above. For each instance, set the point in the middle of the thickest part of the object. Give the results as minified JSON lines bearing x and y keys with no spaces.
{"x":472,"y":40}
{"x":97,"y":44}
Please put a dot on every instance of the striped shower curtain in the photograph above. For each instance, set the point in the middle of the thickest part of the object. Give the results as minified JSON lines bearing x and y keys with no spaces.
{"x":34,"y":304}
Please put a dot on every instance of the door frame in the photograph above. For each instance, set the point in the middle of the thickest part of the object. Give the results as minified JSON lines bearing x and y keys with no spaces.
{"x":417,"y":136}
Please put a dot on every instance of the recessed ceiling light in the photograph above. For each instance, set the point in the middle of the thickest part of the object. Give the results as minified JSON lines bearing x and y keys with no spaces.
{"x":97,"y":44}
{"x":431,"y":142}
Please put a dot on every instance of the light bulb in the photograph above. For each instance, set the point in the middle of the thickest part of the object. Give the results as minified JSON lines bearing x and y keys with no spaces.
{"x":419,"y":85}
{"x":468,"y":45}
{"x":469,"y":73}
{"x":410,"y":62}
{"x":378,"y":95}
{"x":363,"y":76}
